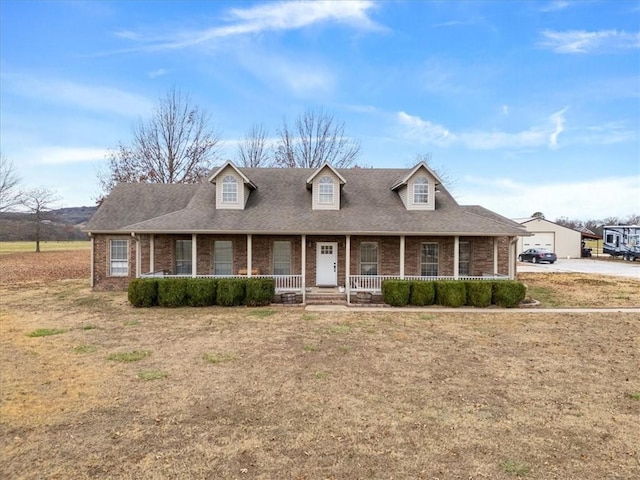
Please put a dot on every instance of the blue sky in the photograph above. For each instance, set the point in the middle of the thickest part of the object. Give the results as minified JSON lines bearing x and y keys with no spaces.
{"x":527,"y":106}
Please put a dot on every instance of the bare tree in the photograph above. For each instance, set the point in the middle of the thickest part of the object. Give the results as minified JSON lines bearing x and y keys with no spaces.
{"x":446,"y":177}
{"x":175,"y":145}
{"x":253,"y":149}
{"x":316,"y":138}
{"x":38,"y":201}
{"x":633,"y":219}
{"x":9,"y":182}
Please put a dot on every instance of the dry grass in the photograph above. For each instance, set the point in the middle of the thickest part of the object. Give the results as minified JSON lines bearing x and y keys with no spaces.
{"x":284,"y":393}
{"x":24,"y":247}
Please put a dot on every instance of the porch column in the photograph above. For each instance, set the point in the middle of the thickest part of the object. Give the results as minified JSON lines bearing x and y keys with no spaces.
{"x":512,"y":257}
{"x":152,"y":252}
{"x":402,"y":257}
{"x":194,"y":255}
{"x":92,"y":259}
{"x":495,"y":256}
{"x":456,"y":257}
{"x":249,"y":252}
{"x":347,"y":267}
{"x":303,"y":266}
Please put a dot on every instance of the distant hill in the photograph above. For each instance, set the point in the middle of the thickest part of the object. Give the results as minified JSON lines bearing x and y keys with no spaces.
{"x":59,"y":224}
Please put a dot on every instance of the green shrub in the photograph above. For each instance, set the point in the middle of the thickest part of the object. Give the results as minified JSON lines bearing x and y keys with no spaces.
{"x":231,"y":292}
{"x":259,"y":291}
{"x":508,"y":293}
{"x":201,"y":292}
{"x":479,"y":293}
{"x":172,"y":292}
{"x":396,"y":292}
{"x":422,"y":293}
{"x":450,"y":293}
{"x":143,"y":292}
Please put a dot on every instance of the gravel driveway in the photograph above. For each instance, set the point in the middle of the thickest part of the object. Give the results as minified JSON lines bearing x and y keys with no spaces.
{"x":618,"y":267}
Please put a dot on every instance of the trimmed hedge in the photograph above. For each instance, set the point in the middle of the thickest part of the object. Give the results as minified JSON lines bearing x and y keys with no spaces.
{"x":422,"y":293}
{"x":479,"y":293}
{"x":201,"y":292}
{"x":172,"y":292}
{"x":231,"y":292}
{"x":396,"y":292}
{"x":259,"y":291}
{"x":143,"y":292}
{"x":451,"y":293}
{"x":508,"y":293}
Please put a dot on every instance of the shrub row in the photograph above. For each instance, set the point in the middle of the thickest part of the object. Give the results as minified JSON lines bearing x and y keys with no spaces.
{"x":453,"y":293}
{"x":200,"y":292}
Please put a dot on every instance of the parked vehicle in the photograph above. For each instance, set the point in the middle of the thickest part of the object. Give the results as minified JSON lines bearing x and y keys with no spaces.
{"x":621,"y":241}
{"x":536,"y":255}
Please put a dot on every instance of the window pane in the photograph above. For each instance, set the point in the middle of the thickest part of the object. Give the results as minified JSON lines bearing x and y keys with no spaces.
{"x":325,"y":190}
{"x":420,"y":190}
{"x":119,"y":265}
{"x":368,"y":258}
{"x":229,"y":189}
{"x":183,"y":257}
{"x":223,"y":257}
{"x":282,"y":258}
{"x":429,"y":260}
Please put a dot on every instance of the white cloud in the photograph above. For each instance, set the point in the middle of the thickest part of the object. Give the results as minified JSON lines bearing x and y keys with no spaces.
{"x":593,"y":199}
{"x":505,"y":109}
{"x":87,"y":97}
{"x":424,"y":131}
{"x":582,"y":41}
{"x":65,"y":155}
{"x":278,"y":16}
{"x":157,"y":73}
{"x":555,"y":6}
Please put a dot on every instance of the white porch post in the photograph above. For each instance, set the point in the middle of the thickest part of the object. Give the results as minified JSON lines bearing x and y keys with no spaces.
{"x":152,"y":253}
{"x":194,"y":255}
{"x":512,"y":257}
{"x":249,"y":253}
{"x":92,"y":259}
{"x":495,"y":256}
{"x":402,"y":256}
{"x":303,"y":266}
{"x":456,"y":257}
{"x":347,"y":267}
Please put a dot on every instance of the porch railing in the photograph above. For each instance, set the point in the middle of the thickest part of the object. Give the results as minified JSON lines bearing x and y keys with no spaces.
{"x":373,"y":283}
{"x":284,"y":283}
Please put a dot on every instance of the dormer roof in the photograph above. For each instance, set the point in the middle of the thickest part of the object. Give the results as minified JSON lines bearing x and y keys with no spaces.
{"x":322,"y":167}
{"x":229,"y":163}
{"x":404,"y":180}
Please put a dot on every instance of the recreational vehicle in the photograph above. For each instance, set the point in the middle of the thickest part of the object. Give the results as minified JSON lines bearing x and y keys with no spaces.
{"x":621,"y":241}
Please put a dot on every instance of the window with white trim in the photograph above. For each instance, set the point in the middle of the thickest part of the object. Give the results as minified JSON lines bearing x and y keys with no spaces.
{"x":421,"y":190}
{"x":183,"y":257}
{"x":229,"y":189}
{"x":282,"y":258}
{"x":464,"y":258}
{"x":119,"y":258}
{"x":369,"y":258}
{"x":223,"y":257}
{"x":325,"y":191}
{"x":429,"y":260}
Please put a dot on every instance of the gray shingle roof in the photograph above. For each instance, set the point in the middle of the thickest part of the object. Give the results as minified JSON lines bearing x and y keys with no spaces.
{"x":281,"y":204}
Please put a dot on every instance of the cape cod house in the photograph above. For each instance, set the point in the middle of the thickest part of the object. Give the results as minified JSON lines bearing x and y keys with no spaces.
{"x":348,"y":229}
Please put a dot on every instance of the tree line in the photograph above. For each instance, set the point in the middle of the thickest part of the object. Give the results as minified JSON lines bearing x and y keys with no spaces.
{"x":594,"y":225}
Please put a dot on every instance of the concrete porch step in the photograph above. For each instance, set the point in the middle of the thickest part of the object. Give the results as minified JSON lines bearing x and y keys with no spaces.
{"x":326,"y":299}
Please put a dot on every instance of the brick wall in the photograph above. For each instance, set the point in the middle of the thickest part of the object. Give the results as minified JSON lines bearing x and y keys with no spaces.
{"x":102,"y":280}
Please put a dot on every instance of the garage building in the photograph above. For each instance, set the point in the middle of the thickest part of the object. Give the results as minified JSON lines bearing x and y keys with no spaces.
{"x":566,"y":242}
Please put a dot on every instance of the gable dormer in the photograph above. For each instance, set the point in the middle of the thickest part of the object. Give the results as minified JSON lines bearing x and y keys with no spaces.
{"x":232,"y":187}
{"x":418,"y":188}
{"x":326,"y":186}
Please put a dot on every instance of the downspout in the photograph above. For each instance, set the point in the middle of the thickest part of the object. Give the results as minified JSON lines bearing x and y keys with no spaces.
{"x":512,"y":258}
{"x":138,"y":250}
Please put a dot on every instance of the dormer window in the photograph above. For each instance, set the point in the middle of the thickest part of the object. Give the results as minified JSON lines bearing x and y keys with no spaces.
{"x":421,"y":190}
{"x":325,"y":190}
{"x":229,"y":189}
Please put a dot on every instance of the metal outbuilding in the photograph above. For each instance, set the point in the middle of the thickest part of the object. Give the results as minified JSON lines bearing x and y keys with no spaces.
{"x":564,"y":241}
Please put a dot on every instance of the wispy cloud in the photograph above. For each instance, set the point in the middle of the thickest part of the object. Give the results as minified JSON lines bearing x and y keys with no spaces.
{"x":582,"y":41}
{"x":157,"y":73}
{"x":555,"y":5}
{"x":617,"y":196}
{"x":423,"y":131}
{"x":65,"y":155}
{"x":71,"y":94}
{"x":279,"y":16}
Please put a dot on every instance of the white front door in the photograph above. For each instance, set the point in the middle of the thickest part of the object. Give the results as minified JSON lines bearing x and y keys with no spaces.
{"x":327,"y":264}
